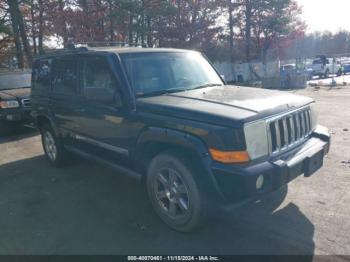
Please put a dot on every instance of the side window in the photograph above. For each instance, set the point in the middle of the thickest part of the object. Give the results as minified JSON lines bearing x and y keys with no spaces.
{"x":97,"y":80}
{"x":65,"y":76}
{"x":41,"y":77}
{"x":96,"y":73}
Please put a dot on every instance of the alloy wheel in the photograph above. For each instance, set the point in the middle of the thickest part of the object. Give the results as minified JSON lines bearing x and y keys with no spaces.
{"x":50,"y":146}
{"x":172,"y":193}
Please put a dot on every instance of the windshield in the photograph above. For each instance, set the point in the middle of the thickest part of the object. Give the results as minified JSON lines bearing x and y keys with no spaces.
{"x":157,"y":73}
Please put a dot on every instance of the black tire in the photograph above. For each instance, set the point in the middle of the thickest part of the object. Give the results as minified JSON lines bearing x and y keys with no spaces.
{"x":182,"y":190}
{"x":54,"y":152}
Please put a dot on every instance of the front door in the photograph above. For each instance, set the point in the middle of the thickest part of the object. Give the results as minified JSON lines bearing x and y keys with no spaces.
{"x":102,"y":118}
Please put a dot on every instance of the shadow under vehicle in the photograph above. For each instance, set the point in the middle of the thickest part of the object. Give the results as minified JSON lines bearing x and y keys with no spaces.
{"x":76,"y":211}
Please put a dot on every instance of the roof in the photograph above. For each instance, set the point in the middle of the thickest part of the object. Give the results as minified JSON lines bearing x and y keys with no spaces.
{"x":110,"y":49}
{"x":121,"y":50}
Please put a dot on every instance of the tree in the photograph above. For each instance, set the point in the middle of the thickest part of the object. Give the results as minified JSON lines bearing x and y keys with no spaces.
{"x":189,"y":24}
{"x":19,"y":31}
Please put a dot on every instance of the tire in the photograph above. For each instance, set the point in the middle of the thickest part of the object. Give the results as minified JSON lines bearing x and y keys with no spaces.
{"x":53,"y":147}
{"x":175,"y":193}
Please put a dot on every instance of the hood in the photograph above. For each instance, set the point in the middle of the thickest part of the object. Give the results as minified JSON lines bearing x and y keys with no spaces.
{"x":16,"y":93}
{"x":226,"y":105}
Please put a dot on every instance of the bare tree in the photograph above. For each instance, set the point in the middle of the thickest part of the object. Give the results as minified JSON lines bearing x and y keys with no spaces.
{"x":19,"y":28}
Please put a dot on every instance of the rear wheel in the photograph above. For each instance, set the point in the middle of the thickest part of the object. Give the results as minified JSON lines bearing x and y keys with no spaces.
{"x":53,"y":147}
{"x":175,"y":193}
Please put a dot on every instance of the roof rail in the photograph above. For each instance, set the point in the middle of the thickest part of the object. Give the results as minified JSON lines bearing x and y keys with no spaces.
{"x":70,"y":49}
{"x":84,"y":47}
{"x":110,"y":44}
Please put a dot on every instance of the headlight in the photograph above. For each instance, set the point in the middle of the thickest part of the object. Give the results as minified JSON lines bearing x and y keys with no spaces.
{"x":256,"y":139}
{"x":9,"y":104}
{"x":314,"y":116}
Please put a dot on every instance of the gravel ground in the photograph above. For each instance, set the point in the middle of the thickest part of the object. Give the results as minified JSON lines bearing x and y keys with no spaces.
{"x":88,"y":209}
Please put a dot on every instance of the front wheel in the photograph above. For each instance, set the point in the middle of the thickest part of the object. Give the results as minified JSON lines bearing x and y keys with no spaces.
{"x":175,"y":193}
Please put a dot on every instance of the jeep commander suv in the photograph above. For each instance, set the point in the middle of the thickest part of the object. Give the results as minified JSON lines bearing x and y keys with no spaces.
{"x":166,"y":117}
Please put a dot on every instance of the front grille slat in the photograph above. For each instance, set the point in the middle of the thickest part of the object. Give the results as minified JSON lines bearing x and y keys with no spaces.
{"x":307,"y":121}
{"x":288,"y":130}
{"x":297,"y":121}
{"x":302,"y":125}
{"x":285,"y":132}
{"x":278,"y":135}
{"x":25,"y":102}
{"x":292,"y":129}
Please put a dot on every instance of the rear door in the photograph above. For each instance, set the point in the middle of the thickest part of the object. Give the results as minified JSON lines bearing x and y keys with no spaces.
{"x":41,"y":86}
{"x":64,"y":99}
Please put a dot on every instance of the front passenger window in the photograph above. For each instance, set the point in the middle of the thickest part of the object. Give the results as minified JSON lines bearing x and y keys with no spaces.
{"x":97,"y":74}
{"x":99,"y":84}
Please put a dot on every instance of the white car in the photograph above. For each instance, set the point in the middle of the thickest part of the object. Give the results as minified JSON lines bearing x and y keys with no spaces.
{"x":323,"y":67}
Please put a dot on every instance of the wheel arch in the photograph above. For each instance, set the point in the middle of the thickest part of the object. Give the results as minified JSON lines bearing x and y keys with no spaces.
{"x":42,"y":120}
{"x":190,"y":148}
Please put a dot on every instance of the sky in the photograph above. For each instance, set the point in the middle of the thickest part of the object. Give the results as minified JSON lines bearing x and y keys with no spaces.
{"x":321,"y":15}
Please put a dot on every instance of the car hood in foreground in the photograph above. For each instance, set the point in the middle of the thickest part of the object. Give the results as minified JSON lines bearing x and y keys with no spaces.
{"x":224,"y":105}
{"x":16,"y":93}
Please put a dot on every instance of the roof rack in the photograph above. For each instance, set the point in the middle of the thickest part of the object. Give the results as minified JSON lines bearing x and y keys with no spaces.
{"x":84,"y":47}
{"x":109,"y":44}
{"x":70,"y":49}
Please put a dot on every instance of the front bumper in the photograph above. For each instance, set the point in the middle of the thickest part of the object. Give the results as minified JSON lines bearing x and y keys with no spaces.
{"x":15,"y":115}
{"x":237,"y":183}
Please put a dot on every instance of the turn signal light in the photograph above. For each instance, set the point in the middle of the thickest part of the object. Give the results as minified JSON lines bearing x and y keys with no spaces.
{"x":229,"y":157}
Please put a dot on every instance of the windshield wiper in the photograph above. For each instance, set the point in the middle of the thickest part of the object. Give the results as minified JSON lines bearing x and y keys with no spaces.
{"x":174,"y":90}
{"x":153,"y":93}
{"x":206,"y":85}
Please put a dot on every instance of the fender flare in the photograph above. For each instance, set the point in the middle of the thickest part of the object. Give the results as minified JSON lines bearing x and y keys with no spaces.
{"x":36,"y":116}
{"x":185,"y":140}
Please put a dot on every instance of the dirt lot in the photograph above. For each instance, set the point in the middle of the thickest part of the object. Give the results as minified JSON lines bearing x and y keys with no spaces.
{"x":87,"y":209}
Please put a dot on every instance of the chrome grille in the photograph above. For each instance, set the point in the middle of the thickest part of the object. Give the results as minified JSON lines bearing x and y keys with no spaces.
{"x":26,"y":102}
{"x":288,"y":130}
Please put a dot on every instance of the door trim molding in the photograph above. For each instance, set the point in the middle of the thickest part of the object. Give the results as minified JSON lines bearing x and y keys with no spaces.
{"x":116,"y":149}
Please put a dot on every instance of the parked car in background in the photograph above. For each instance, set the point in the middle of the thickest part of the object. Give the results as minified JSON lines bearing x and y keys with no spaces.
{"x":14,"y":98}
{"x":294,"y":74}
{"x":166,"y":117}
{"x":346,"y":67}
{"x":323,"y":67}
